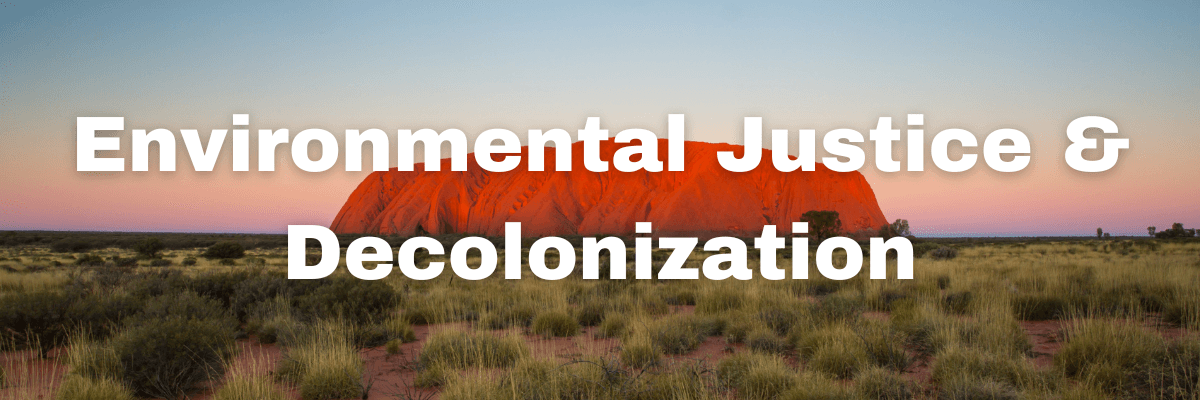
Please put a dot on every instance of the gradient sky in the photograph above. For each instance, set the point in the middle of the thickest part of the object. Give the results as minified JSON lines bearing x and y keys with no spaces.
{"x":357,"y":65}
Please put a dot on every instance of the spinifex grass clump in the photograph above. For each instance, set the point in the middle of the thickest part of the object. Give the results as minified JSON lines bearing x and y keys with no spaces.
{"x":882,"y":384}
{"x":1119,"y":357}
{"x":957,"y":365}
{"x":555,"y":323}
{"x":249,"y":388}
{"x":756,"y":376}
{"x":325,"y":365}
{"x":457,"y":349}
{"x":76,"y":387}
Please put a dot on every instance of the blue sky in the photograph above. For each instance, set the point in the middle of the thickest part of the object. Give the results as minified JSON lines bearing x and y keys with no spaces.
{"x":1032,"y":66}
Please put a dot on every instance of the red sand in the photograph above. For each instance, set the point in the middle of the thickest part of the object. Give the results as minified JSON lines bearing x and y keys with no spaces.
{"x":704,"y":200}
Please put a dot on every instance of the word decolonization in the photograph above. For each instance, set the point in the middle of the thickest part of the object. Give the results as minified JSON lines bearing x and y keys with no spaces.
{"x":732,"y":262}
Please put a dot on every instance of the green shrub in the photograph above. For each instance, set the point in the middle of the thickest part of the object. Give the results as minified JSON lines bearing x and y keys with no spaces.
{"x":89,"y":260}
{"x":169,"y":356}
{"x":36,"y":318}
{"x":250,"y":292}
{"x":225,"y":250}
{"x":185,"y":305}
{"x":150,"y":247}
{"x":356,"y":301}
{"x":71,"y":245}
{"x":393,"y":346}
{"x":555,"y":323}
{"x":188,"y":261}
{"x":75,"y":387}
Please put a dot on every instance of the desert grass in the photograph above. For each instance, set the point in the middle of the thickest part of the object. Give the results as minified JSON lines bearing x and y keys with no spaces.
{"x":324,"y":365}
{"x":1126,"y":308}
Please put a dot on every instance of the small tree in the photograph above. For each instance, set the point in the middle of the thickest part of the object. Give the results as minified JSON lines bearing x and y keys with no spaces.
{"x":149,"y":248}
{"x":822,"y":224}
{"x":1099,"y":233}
{"x":1152,"y":230}
{"x":900,"y":228}
{"x":225,"y":250}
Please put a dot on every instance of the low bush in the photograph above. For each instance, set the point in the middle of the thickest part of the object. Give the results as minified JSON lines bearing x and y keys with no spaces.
{"x":943,"y":253}
{"x":89,"y":260}
{"x":555,"y":323}
{"x":169,"y":356}
{"x":225,"y":250}
{"x":356,"y":301}
{"x":35,"y":319}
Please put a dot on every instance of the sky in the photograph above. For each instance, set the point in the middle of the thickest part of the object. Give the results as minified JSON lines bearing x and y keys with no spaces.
{"x":979,"y":66}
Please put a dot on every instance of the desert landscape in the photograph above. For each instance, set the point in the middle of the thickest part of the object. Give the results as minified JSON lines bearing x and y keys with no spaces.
{"x":123,"y":316}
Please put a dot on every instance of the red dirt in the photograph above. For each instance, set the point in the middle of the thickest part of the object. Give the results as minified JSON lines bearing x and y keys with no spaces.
{"x":581,"y":202}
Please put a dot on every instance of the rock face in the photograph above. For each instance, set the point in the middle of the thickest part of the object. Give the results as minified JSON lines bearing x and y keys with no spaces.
{"x":703,"y":201}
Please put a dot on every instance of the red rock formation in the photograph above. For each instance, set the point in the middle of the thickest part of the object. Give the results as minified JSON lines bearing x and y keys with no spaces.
{"x":704,"y":200}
